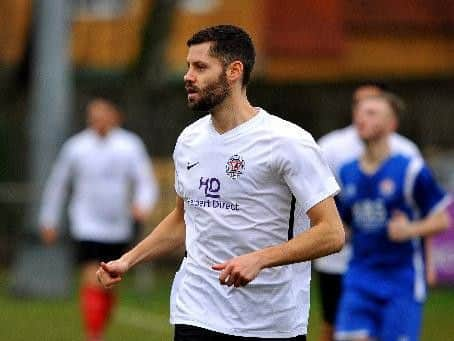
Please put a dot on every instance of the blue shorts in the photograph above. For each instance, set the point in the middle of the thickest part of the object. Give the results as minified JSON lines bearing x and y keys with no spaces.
{"x":363,"y":315}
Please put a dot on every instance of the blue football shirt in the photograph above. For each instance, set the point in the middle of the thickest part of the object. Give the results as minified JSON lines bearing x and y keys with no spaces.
{"x":378,"y":265}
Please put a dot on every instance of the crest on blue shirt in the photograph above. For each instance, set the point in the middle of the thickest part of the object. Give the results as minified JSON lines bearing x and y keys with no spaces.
{"x":234,"y":167}
{"x":349,"y":190}
{"x":387,"y":187}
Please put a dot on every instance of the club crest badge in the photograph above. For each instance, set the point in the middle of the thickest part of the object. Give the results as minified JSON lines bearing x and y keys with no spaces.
{"x":234,"y":167}
{"x":349,"y":190}
{"x":387,"y":187}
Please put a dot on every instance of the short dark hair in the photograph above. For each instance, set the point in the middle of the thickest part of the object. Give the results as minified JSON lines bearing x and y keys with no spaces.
{"x":230,"y":43}
{"x":377,"y":86}
{"x":396,"y":103}
{"x":382,"y":86}
{"x":112,"y":106}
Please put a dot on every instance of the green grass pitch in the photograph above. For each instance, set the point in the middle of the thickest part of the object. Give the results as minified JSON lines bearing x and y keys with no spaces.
{"x":144,"y":316}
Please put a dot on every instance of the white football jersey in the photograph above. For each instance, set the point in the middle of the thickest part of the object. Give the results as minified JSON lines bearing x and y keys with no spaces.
{"x":107,"y":175}
{"x":237,"y":189}
{"x":342,"y":146}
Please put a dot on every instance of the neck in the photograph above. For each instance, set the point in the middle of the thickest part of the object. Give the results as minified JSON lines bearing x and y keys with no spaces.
{"x":376,"y":151}
{"x":232,"y":112}
{"x":103,"y":133}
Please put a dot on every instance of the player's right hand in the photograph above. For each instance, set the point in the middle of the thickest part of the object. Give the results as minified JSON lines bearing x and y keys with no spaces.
{"x":110,"y":273}
{"x":49,"y":235}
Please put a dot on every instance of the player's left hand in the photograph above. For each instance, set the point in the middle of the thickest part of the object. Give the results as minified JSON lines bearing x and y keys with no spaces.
{"x":139,"y":214}
{"x":399,"y":227}
{"x":240,"y":270}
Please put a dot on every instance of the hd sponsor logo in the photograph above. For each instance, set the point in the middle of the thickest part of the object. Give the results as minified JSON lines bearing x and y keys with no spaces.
{"x":211,"y":188}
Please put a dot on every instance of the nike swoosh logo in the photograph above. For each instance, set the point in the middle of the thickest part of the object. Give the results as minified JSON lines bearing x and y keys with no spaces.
{"x":189,"y":166}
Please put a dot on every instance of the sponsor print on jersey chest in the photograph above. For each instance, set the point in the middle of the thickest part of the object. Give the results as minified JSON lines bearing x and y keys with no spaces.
{"x":222,"y":181}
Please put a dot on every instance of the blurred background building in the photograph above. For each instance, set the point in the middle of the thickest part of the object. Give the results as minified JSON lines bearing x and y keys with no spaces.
{"x":311,"y":55}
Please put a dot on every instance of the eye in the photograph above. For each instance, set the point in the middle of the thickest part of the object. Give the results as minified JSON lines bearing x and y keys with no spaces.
{"x":200,"y":66}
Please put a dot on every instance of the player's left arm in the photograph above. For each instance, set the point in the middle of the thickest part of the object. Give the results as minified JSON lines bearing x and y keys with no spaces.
{"x":431,"y":201}
{"x":325,"y":236}
{"x":301,"y":165}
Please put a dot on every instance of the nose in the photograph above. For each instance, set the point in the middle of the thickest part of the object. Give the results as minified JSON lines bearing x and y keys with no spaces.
{"x":189,"y":76}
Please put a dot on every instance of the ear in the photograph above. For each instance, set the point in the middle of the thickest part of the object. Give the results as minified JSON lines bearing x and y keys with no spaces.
{"x":235,"y":71}
{"x":394,"y":123}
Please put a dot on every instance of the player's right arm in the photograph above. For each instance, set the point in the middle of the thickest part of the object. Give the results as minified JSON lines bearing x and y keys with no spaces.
{"x":54,"y":195}
{"x":145,"y":189}
{"x":167,"y":236}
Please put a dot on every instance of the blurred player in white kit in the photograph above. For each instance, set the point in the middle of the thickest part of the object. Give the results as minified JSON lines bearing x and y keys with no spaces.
{"x":112,"y":185}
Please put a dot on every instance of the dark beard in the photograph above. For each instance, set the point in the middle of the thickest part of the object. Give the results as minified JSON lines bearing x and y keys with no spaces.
{"x":213,"y":95}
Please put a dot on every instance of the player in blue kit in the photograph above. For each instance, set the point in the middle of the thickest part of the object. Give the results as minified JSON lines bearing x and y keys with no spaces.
{"x":389,"y":202}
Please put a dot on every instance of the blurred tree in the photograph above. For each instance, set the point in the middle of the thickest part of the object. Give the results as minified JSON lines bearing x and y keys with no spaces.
{"x":150,"y":68}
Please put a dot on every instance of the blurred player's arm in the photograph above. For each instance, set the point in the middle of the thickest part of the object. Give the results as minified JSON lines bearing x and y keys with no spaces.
{"x":54,"y":197}
{"x":325,"y":236}
{"x":146,"y":188}
{"x":401,"y":229}
{"x":165,"y":238}
{"x":431,"y":201}
{"x":431,"y":273}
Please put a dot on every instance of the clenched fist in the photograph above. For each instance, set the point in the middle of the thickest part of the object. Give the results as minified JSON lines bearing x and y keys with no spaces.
{"x":110,"y":273}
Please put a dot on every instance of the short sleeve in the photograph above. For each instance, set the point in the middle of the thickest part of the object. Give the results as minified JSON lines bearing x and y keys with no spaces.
{"x":177,"y":183}
{"x":427,"y":194}
{"x":304,"y":169}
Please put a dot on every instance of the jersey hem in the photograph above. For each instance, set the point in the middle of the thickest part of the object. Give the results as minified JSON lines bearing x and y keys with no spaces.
{"x":237,"y":332}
